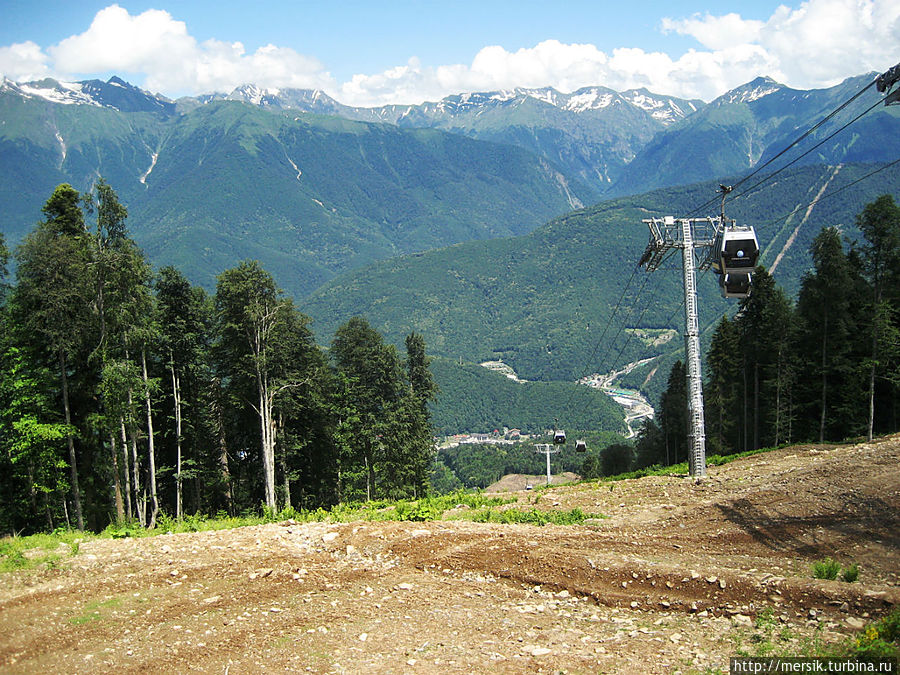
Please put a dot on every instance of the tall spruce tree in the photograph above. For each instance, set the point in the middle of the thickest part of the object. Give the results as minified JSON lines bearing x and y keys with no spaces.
{"x":880,"y":256}
{"x":674,"y":416}
{"x":722,"y":392}
{"x":183,"y":332}
{"x":765,"y":323}
{"x":421,"y":433}
{"x":374,"y":383}
{"x":53,"y":294}
{"x":825,"y":309}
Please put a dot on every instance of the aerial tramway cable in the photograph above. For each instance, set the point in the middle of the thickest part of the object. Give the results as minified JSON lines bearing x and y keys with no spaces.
{"x":740,"y":293}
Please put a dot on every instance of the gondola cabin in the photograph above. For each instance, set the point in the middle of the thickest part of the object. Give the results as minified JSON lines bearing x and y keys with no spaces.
{"x":736,"y":250}
{"x":559,"y":437}
{"x":580,"y":446}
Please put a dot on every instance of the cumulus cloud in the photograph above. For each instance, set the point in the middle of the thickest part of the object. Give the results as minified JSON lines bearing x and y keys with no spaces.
{"x":23,"y":61}
{"x":815,"y":43}
{"x":154,"y":45}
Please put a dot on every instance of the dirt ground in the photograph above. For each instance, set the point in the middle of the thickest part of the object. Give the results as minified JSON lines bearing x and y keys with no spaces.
{"x":677,"y":578}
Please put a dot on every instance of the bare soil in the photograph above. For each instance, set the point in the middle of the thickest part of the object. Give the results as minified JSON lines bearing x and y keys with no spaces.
{"x":678,"y":577}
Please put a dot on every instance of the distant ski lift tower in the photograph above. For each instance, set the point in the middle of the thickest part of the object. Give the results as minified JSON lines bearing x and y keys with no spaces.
{"x":547,"y":449}
{"x":695,"y":238}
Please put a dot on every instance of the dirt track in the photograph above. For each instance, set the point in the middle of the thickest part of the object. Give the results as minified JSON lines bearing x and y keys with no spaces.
{"x":678,"y":578}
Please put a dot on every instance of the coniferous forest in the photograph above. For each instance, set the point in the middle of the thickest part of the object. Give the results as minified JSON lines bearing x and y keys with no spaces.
{"x":126,"y":393}
{"x":825,"y":367}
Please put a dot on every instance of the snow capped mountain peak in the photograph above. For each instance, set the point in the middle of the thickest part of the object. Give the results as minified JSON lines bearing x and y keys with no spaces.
{"x":251,"y":93}
{"x":116,"y":94}
{"x":65,"y":93}
{"x":752,"y":91}
{"x":589,"y":98}
{"x":662,"y":108}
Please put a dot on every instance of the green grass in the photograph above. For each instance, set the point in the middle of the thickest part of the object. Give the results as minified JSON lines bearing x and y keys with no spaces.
{"x":48,"y":550}
{"x":530,"y":517}
{"x":92,"y":611}
{"x":460,"y":505}
{"x":851,"y":574}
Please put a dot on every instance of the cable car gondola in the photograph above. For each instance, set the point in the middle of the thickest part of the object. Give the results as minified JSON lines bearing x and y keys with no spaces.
{"x":559,"y":437}
{"x":735,"y":252}
{"x":580,"y":446}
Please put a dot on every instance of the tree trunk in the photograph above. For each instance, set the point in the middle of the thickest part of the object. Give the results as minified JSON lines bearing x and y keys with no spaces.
{"x":755,"y":406}
{"x":120,"y":507}
{"x":154,"y":503}
{"x":284,"y":468}
{"x":266,"y":433}
{"x":223,"y":444}
{"x":746,"y":414}
{"x":73,"y":467}
{"x":823,"y":398}
{"x":124,"y":438}
{"x":266,"y":423}
{"x":176,"y":395}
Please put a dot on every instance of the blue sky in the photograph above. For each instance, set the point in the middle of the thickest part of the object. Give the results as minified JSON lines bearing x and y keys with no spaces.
{"x":407,"y":51}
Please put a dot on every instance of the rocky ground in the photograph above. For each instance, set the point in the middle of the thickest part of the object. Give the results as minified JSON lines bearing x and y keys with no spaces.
{"x":678,"y":577}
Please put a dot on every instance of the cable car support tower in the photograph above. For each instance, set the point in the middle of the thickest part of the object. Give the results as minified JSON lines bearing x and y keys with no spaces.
{"x":731,"y":251}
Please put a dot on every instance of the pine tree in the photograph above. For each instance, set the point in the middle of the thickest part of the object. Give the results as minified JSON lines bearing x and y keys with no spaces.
{"x":373,"y":389}
{"x":421,"y":432}
{"x":765,"y":323}
{"x":826,"y":328}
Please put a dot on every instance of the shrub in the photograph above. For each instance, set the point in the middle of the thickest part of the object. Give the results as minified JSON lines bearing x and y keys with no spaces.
{"x":879,"y":639}
{"x":826,"y":569}
{"x":851,"y":574}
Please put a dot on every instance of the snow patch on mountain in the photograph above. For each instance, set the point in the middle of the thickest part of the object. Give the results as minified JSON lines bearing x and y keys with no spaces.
{"x":753,"y":91}
{"x":662,"y":109}
{"x":65,"y":93}
{"x":589,"y":100}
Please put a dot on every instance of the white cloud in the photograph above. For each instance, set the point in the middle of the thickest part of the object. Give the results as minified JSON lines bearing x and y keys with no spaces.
{"x":716,"y":32}
{"x":23,"y":61}
{"x":158,"y":47}
{"x":815,"y":43}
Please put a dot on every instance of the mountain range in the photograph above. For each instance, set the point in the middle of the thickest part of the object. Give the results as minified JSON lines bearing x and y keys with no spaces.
{"x":501,"y":225}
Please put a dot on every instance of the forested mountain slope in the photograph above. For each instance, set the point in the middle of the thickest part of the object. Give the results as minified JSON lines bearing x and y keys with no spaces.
{"x":562,"y":302}
{"x":308,"y":196}
{"x":749,"y":125}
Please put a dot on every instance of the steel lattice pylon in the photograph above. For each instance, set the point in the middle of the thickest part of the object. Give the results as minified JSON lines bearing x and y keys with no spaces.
{"x":695,"y":237}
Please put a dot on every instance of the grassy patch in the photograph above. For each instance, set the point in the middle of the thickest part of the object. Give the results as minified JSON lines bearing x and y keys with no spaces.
{"x":530,"y":517}
{"x":93,"y":611}
{"x":45,"y":550}
{"x":459,"y":505}
{"x":880,"y":638}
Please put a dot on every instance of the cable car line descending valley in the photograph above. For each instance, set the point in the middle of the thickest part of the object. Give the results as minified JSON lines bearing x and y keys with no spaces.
{"x":730,"y":250}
